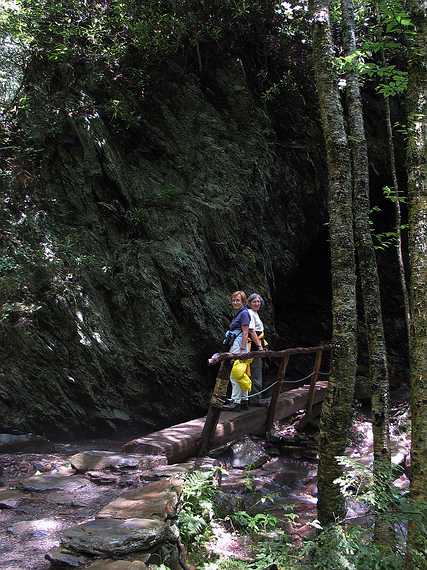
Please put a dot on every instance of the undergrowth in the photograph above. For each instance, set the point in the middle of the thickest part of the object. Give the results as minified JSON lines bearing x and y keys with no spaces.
{"x":338,"y":547}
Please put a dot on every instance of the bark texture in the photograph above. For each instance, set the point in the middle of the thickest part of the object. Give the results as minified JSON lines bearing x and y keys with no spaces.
{"x":417,"y":190}
{"x":336,"y":413}
{"x":368,"y":270}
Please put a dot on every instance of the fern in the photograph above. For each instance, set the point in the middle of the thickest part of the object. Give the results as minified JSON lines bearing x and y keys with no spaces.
{"x":190,"y":525}
{"x":196,"y":510}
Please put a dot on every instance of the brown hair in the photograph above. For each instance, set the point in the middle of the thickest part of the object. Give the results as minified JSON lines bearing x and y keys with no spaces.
{"x":242,"y":296}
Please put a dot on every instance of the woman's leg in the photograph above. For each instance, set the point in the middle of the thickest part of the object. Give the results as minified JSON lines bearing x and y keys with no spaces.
{"x":244,"y":401}
{"x":236,"y":394}
{"x":256,"y":369}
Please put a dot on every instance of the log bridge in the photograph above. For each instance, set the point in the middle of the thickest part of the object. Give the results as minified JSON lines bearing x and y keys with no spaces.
{"x":220,"y":390}
{"x":196,"y":437}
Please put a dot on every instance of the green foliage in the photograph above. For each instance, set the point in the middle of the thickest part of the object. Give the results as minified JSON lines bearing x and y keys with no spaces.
{"x":276,"y":550}
{"x":228,"y":564}
{"x":12,"y":63}
{"x":197,"y":509}
{"x":391,"y":195}
{"x":136,"y":216}
{"x":123,"y":40}
{"x":384,"y":240}
{"x":337,"y":547}
{"x":385,"y":29}
{"x":341,"y":548}
{"x":254,"y":524}
{"x":359,"y":482}
{"x":249,"y":483}
{"x":392,"y":81}
{"x":377,"y":492}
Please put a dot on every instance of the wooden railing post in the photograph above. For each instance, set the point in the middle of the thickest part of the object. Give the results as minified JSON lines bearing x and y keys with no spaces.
{"x":275,"y":396}
{"x":314,"y":379}
{"x":218,"y":398}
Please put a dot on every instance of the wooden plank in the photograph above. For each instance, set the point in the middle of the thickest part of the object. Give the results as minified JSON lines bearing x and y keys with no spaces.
{"x":275,"y":395}
{"x":219,"y":394}
{"x":314,"y":379}
{"x":208,"y":429}
{"x":218,"y":399}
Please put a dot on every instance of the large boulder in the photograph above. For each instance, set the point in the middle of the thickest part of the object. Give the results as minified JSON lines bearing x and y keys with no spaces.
{"x":248,"y":454}
{"x":117,"y":537}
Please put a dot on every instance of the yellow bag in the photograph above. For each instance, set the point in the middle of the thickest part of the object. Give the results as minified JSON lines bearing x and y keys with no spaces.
{"x":239,"y":374}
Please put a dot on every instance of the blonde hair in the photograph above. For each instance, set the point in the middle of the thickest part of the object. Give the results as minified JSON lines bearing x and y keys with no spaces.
{"x":242,"y":296}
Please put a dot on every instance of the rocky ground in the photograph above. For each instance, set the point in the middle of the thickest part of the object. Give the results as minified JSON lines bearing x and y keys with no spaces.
{"x":100,"y":503}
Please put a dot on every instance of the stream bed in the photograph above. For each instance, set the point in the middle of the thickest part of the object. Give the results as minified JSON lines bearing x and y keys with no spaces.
{"x":41,"y":495}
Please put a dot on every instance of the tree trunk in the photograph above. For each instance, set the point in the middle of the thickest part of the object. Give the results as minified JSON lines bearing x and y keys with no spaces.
{"x":337,"y":407}
{"x":395,"y":182}
{"x":417,"y":191}
{"x":397,"y":214}
{"x":368,"y":271}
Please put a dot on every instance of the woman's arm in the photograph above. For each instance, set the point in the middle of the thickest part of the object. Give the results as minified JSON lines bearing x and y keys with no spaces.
{"x":245,"y":331}
{"x":258,"y":342}
{"x":256,"y":339}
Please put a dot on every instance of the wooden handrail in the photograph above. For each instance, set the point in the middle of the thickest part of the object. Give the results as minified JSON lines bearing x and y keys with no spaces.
{"x":220,"y":391}
{"x":224,"y":356}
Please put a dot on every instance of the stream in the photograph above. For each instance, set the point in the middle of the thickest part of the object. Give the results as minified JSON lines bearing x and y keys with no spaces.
{"x":34,"y":514}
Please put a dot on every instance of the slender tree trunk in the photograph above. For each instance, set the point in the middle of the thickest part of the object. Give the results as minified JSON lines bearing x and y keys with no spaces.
{"x":417,"y":190}
{"x":368,"y":270}
{"x":337,"y":407}
{"x":397,"y":213}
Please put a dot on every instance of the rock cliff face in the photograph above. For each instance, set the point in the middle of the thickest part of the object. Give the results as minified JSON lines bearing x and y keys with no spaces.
{"x":208,"y":194}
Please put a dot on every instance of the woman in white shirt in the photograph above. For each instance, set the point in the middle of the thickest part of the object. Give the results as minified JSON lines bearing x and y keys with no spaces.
{"x":256,"y":331}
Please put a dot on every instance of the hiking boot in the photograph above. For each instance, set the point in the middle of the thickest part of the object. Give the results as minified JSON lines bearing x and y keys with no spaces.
{"x":231,"y":407}
{"x":244,"y":405}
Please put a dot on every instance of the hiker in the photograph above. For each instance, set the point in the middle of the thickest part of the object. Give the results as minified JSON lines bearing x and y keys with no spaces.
{"x":256,"y":332}
{"x":238,"y":336}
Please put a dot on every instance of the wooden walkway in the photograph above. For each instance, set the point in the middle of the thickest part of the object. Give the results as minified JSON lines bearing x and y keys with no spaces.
{"x":182,"y":441}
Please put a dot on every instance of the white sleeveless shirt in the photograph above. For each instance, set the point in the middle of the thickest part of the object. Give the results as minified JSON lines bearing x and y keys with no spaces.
{"x":255,"y":323}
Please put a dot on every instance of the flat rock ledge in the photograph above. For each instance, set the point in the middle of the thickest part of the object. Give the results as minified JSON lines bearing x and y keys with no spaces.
{"x":134,"y":529}
{"x":102,"y":460}
{"x":179,"y":470}
{"x":46,"y":482}
{"x":154,"y":501}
